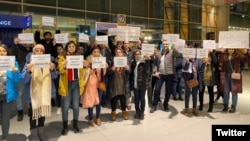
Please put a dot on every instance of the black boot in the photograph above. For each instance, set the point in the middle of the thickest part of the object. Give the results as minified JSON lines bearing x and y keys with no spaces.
{"x":20,"y":115}
{"x":41,"y":135}
{"x":233,"y":109}
{"x":33,"y":135}
{"x":225,"y":109}
{"x":75,"y":127}
{"x":65,"y":128}
{"x":210,"y":108}
{"x":201,"y":107}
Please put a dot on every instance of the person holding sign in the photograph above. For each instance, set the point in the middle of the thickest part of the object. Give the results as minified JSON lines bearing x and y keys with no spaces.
{"x":47,"y":41}
{"x":8,"y":92}
{"x":119,"y":85}
{"x":141,"y":73}
{"x":165,"y":74}
{"x":94,"y":86}
{"x":229,"y":64}
{"x":209,"y":79}
{"x":39,"y":88}
{"x":191,"y":71}
{"x":71,"y":86}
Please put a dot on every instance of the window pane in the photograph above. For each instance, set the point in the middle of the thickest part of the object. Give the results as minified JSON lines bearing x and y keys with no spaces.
{"x":156,"y":24}
{"x":194,"y":14}
{"x":139,"y":8}
{"x":195,"y":31}
{"x":41,"y":2}
{"x":98,"y":5}
{"x":99,"y":17}
{"x":10,"y":9}
{"x":139,"y":21}
{"x":120,"y":6}
{"x":156,"y":8}
{"x":69,"y":4}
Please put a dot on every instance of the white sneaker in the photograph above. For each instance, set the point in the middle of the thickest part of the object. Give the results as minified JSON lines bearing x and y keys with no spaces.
{"x":59,"y":111}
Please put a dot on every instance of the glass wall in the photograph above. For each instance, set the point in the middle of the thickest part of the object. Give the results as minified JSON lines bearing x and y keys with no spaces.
{"x":72,"y":14}
{"x":184,"y":17}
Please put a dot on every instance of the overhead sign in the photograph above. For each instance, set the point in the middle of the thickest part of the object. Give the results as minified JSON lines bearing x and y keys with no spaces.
{"x":11,"y":21}
{"x":121,"y":19}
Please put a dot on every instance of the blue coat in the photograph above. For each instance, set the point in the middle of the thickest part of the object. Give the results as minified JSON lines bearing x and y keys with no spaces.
{"x":12,"y":79}
{"x":27,"y":77}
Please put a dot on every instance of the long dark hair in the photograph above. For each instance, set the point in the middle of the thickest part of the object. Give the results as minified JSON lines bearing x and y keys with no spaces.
{"x":65,"y":53}
{"x":6,"y":48}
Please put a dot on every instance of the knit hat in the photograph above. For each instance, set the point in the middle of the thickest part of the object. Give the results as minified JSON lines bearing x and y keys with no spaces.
{"x":38,"y":46}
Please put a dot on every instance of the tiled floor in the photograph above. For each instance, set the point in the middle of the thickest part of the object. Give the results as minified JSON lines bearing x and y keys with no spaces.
{"x":159,"y":126}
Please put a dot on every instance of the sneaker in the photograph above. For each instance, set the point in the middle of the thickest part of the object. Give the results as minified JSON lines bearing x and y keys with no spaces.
{"x":196,"y":112}
{"x":59,"y":111}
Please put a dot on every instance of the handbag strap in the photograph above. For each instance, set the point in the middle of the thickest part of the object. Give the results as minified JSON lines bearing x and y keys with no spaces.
{"x":231,"y":66}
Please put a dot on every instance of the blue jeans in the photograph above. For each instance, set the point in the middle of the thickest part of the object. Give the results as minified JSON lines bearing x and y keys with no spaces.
{"x":20,"y":90}
{"x":228,"y":85}
{"x":139,"y":100}
{"x":74,"y":96}
{"x":194,"y":92}
{"x":176,"y":89}
{"x":98,"y":107}
{"x":168,"y":79}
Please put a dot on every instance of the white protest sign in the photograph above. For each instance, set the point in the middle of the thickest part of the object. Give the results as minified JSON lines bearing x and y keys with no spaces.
{"x":27,"y":38}
{"x":62,"y":38}
{"x":49,"y":21}
{"x":40,"y":61}
{"x":102,"y":40}
{"x":112,"y":31}
{"x":147,"y":49}
{"x":179,"y":45}
{"x":202,"y":52}
{"x":120,"y":61}
{"x":171,"y":38}
{"x":122,"y":33}
{"x":189,"y":52}
{"x":133,"y":33}
{"x":99,"y":62}
{"x":7,"y":62}
{"x":234,"y":39}
{"x":189,"y":70}
{"x":74,"y":62}
{"x":209,"y":44}
{"x":83,"y":38}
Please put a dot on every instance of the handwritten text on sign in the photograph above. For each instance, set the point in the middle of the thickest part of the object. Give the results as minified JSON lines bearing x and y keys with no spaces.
{"x":120,"y":61}
{"x":209,"y":44}
{"x":189,"y":52}
{"x":202,"y":53}
{"x":7,"y":62}
{"x":62,"y":38}
{"x":27,"y":38}
{"x":234,"y":39}
{"x":99,"y":62}
{"x":40,"y":61}
{"x":74,"y":62}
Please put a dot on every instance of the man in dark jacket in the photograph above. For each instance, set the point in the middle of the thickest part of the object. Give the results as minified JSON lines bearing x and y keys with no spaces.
{"x":47,"y":41}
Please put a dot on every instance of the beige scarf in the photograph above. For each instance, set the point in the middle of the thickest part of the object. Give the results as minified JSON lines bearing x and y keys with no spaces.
{"x":40,"y":93}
